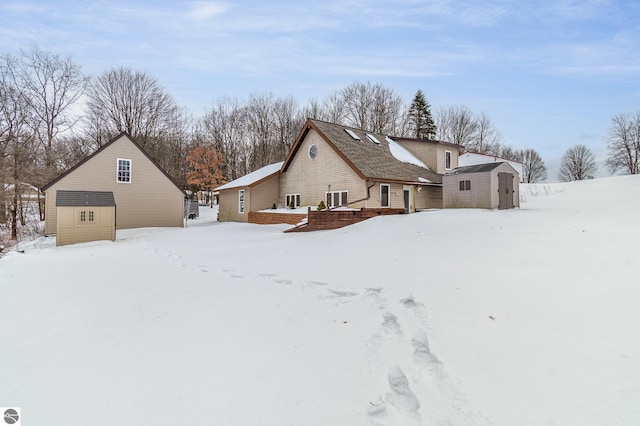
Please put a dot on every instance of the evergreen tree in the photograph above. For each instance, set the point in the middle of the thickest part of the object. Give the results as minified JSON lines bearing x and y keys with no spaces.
{"x":420,"y":118}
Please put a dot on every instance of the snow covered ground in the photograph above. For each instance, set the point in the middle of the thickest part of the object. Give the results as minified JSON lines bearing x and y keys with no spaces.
{"x":452,"y":317}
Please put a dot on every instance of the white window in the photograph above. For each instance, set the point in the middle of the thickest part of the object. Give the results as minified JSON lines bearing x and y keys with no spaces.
{"x":292,"y":201}
{"x":313,"y":151}
{"x":447,"y":160}
{"x":241,"y":201}
{"x":384,"y":195}
{"x":337,"y":198}
{"x":123,"y":172}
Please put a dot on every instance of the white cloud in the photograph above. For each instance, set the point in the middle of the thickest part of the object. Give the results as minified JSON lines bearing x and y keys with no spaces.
{"x":203,"y":10}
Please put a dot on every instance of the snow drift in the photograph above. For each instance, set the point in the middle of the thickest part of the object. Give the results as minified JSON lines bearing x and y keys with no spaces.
{"x":451,"y":317}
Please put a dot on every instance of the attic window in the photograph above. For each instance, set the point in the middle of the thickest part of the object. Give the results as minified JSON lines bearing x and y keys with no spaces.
{"x":353,"y":135}
{"x":123,"y":172}
{"x":373,"y":139}
{"x":313,"y":151}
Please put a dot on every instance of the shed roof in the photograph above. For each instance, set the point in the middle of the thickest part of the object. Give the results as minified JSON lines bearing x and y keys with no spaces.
{"x":476,"y":168}
{"x":383,"y":161}
{"x":84,"y":198}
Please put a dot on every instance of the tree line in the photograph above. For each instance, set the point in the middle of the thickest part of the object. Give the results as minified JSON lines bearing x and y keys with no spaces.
{"x":53,"y":115}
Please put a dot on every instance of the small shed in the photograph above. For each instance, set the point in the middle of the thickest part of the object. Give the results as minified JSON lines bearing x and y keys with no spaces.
{"x":484,"y":186}
{"x":85,"y":216}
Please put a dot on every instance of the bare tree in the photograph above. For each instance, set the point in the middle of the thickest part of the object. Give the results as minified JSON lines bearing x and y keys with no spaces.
{"x":125,"y":100}
{"x":17,"y":151}
{"x":224,"y":127}
{"x":334,"y":109}
{"x":287,"y":124}
{"x":261,"y":129}
{"x":624,"y":144}
{"x":371,"y":107}
{"x":486,"y":139}
{"x":577,"y":163}
{"x":51,"y":86}
{"x":533,"y":169}
{"x":456,"y":124}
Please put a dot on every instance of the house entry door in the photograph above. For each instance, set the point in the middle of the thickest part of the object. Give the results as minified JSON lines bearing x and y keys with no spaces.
{"x":505,"y":191}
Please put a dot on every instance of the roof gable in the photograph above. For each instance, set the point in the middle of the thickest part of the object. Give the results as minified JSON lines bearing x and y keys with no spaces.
{"x":100,"y":150}
{"x":368,"y":158}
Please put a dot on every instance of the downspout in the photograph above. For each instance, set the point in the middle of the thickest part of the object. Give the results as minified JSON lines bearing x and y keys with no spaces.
{"x":357,"y":201}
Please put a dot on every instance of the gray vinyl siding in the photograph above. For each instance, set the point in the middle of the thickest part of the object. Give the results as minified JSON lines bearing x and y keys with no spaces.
{"x":484,"y":189}
{"x":150,"y":200}
{"x":429,"y":197}
{"x":478,"y":197}
{"x":310,"y":178}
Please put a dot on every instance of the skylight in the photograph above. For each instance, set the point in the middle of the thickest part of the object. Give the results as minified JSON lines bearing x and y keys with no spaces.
{"x":353,"y":135}
{"x":373,"y":138}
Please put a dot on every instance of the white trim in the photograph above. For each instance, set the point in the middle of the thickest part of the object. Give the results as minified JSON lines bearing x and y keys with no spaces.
{"x":450,"y":159}
{"x":241,"y":201}
{"x":341,"y":201}
{"x":297,"y":198}
{"x":388,"y":195}
{"x":118,"y":170}
{"x":408,"y":189}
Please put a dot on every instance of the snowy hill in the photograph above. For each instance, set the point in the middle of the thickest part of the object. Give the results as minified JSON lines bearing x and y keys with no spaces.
{"x":451,"y":317}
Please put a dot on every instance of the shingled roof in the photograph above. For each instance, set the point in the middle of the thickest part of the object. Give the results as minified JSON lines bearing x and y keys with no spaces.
{"x":84,"y":198}
{"x":370,"y":160}
{"x":476,"y":168}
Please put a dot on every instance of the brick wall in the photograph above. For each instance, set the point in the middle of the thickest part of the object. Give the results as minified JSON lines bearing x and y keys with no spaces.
{"x":268,"y":218}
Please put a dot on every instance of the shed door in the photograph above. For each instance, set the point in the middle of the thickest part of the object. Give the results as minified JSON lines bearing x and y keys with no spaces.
{"x":505,"y":190}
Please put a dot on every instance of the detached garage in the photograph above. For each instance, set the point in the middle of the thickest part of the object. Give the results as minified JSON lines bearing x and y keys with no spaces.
{"x":85,"y":216}
{"x":484,"y":186}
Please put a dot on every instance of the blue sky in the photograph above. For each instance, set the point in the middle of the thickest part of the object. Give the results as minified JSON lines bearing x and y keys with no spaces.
{"x":550,"y":74}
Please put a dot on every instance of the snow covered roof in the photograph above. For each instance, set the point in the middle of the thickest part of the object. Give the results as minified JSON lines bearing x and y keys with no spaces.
{"x":402,"y":154}
{"x":471,"y":158}
{"x":253,"y":177}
